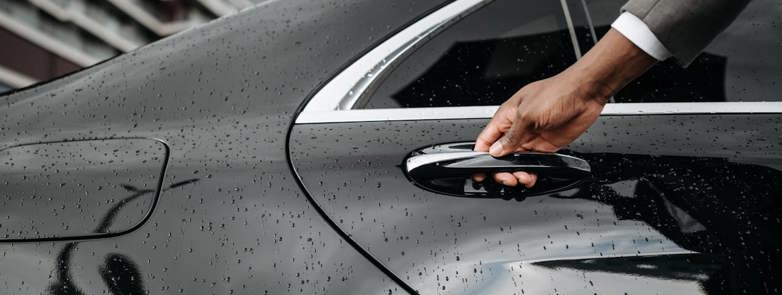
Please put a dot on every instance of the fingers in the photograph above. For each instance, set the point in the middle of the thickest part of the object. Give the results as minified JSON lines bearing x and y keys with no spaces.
{"x":540,"y":144}
{"x":526,"y":178}
{"x":506,"y":179}
{"x":512,"y":140}
{"x":513,"y":179}
{"x":479,"y":177}
{"x":489,"y":134}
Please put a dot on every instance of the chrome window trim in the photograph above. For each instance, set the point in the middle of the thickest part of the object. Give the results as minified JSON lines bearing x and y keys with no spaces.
{"x":333,"y":102}
{"x":485,"y":112}
{"x":344,"y":89}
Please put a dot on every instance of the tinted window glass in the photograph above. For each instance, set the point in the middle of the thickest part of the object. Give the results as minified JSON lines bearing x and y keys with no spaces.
{"x":481,"y":60}
{"x":744,"y":63}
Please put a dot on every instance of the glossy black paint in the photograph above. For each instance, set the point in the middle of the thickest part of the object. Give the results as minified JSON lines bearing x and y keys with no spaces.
{"x":679,"y":204}
{"x":56,"y":190}
{"x":231,"y":219}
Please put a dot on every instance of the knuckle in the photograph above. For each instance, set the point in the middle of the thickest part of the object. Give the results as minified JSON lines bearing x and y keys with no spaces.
{"x":511,"y":137}
{"x":525,"y":115}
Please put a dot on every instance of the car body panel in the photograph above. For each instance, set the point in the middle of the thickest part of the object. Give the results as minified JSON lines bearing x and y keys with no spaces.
{"x":231,"y":217}
{"x":667,"y":188}
{"x":79,"y":189}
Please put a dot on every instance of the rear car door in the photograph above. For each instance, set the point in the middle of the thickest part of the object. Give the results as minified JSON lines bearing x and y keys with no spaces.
{"x":680,"y":198}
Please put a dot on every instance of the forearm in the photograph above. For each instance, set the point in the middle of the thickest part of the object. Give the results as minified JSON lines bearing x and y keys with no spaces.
{"x":610,"y":65}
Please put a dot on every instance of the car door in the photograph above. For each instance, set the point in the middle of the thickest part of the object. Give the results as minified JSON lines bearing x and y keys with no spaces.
{"x":679,"y":198}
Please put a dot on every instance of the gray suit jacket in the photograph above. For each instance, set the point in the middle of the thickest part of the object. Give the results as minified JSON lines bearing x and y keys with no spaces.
{"x":686,"y":27}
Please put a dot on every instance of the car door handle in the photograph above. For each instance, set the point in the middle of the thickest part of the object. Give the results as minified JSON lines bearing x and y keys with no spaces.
{"x":448,"y":169}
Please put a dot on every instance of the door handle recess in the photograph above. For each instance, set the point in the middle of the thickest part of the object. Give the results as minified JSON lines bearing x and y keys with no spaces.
{"x":448,"y":169}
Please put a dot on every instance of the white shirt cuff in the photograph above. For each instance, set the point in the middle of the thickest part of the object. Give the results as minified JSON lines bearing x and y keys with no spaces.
{"x":638,"y":32}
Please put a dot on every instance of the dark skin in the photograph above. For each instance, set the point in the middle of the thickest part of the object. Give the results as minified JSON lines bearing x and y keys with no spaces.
{"x":548,"y":114}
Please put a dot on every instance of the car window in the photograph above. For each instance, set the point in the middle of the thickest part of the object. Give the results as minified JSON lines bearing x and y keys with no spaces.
{"x":480,"y":60}
{"x":744,"y":63}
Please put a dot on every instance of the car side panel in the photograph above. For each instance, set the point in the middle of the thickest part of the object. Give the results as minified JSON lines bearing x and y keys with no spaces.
{"x":230,"y":219}
{"x":686,"y":204}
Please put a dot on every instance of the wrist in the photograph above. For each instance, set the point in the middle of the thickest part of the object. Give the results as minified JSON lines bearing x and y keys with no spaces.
{"x":591,"y":86}
{"x":610,"y":65}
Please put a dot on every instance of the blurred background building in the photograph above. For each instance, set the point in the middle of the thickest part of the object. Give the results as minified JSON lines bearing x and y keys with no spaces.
{"x":45,"y":39}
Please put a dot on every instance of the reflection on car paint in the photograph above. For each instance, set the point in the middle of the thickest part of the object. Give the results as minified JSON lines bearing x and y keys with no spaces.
{"x":693,"y":189}
{"x":223,"y":96}
{"x":119,"y":272}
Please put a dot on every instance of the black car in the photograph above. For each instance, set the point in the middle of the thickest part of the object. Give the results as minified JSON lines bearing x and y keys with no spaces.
{"x":324,"y":147}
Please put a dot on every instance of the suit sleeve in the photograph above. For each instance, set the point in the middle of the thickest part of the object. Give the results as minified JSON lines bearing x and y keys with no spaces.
{"x":685,"y":27}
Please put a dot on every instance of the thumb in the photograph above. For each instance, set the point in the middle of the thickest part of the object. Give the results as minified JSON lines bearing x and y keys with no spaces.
{"x":509,"y":142}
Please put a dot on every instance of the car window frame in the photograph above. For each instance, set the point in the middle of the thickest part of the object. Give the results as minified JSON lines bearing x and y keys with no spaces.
{"x":334,"y":102}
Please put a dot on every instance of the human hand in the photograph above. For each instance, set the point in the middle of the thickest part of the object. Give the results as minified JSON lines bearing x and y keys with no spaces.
{"x":547,"y":115}
{"x":542,"y":116}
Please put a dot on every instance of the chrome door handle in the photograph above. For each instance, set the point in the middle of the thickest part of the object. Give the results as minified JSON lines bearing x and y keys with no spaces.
{"x":448,"y":169}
